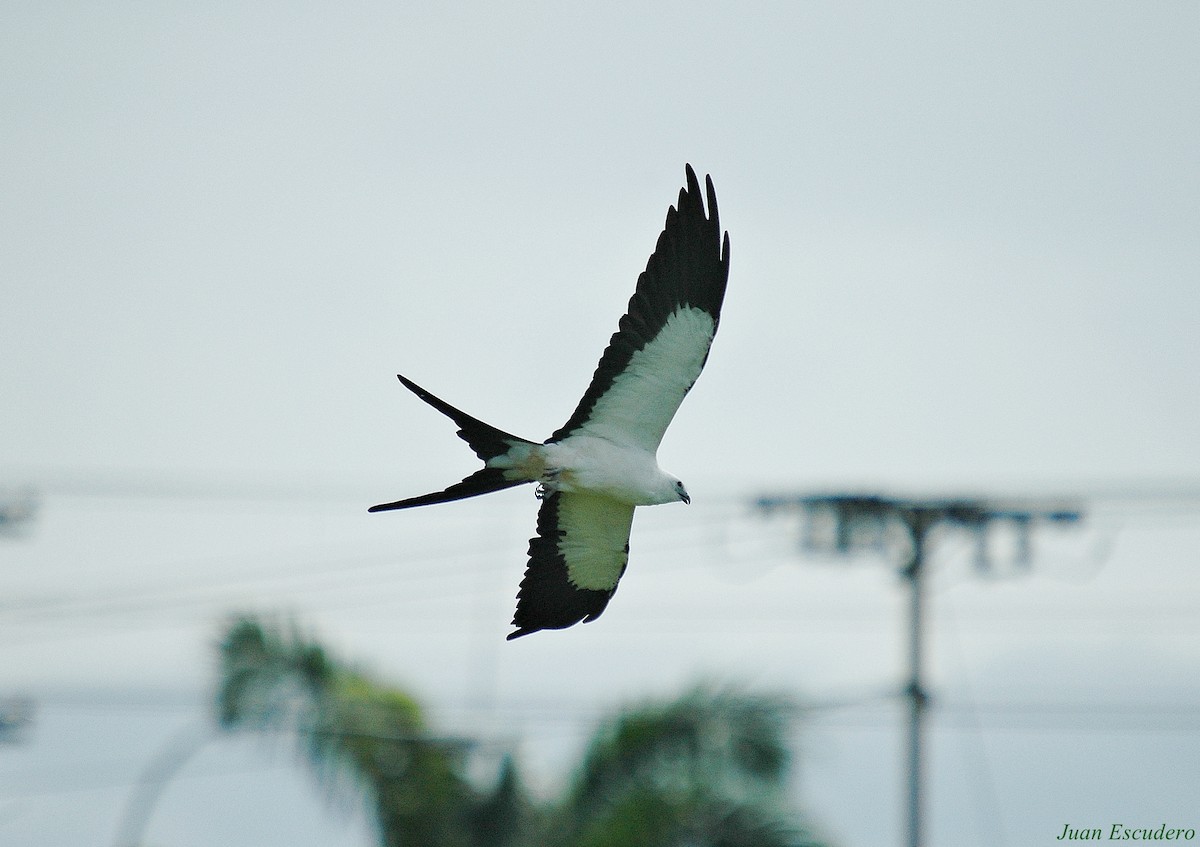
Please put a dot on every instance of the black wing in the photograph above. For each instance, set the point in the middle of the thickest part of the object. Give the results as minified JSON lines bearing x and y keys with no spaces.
{"x":662,"y":342}
{"x":575,"y":561}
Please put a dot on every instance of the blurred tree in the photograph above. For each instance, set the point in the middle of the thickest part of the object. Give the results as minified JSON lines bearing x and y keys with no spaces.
{"x":706,"y":770}
{"x":355,"y":728}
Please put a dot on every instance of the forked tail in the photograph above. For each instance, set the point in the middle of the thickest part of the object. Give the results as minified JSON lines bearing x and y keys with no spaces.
{"x":487,"y":442}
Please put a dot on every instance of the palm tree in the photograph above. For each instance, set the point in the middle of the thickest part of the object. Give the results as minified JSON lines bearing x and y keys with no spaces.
{"x":355,"y":727}
{"x":706,"y":770}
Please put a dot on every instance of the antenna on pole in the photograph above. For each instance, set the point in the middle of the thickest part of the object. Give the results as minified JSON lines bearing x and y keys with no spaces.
{"x":851,"y":523}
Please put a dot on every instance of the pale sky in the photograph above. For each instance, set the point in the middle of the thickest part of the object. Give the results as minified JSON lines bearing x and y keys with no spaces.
{"x":965,"y":257}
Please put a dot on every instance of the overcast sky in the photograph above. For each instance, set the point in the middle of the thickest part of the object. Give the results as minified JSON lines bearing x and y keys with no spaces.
{"x":965,"y":257}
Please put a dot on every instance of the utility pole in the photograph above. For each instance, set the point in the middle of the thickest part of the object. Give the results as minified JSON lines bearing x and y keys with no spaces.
{"x":848,"y":523}
{"x":918,"y":524}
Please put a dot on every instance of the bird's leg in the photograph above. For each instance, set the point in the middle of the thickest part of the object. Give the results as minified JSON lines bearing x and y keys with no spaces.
{"x":549,"y":483}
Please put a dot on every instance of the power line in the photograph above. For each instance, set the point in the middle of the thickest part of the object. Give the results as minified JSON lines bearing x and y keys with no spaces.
{"x":1181,"y":493}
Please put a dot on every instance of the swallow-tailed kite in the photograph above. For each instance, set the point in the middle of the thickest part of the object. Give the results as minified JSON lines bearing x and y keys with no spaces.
{"x":600,"y":464}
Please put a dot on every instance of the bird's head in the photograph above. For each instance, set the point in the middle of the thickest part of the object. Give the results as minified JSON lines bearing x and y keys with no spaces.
{"x":681,"y":492}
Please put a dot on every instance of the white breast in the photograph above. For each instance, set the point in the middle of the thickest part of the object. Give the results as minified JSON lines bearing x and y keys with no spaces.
{"x":628,"y":474}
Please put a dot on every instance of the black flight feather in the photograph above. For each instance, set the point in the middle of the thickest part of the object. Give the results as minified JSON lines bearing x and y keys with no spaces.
{"x":689,"y":267}
{"x":547,"y":599}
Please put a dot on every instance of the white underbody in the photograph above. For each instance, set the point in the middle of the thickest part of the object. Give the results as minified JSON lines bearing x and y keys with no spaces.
{"x":587,"y":464}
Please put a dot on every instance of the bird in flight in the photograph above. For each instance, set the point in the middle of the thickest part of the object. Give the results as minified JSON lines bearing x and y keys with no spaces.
{"x":600,"y":465}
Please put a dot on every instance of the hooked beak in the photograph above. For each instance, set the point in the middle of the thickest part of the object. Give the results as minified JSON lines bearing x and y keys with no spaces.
{"x":684,"y":497}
